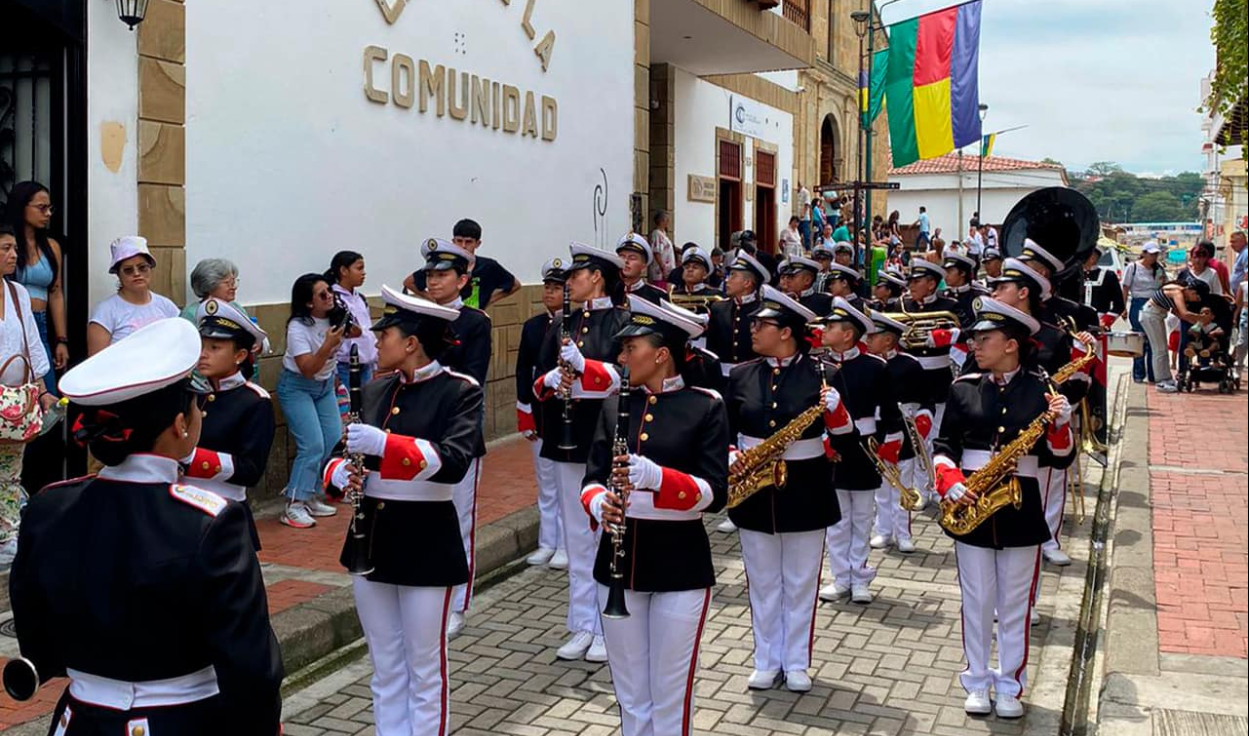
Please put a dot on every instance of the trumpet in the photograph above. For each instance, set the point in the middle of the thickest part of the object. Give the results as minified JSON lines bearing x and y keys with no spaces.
{"x":908,"y":497}
{"x":922,"y":455}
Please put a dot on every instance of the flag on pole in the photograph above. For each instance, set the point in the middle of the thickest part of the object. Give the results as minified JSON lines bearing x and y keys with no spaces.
{"x":932,"y":85}
{"x":986,"y":144}
{"x":880,"y":67}
{"x":863,"y":92}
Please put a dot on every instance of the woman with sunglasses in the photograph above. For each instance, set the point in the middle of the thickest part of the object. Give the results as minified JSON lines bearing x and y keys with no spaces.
{"x":143,"y":591}
{"x":134,"y":305}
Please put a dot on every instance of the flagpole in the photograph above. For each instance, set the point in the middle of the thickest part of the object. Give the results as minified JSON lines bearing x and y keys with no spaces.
{"x":984,"y":111}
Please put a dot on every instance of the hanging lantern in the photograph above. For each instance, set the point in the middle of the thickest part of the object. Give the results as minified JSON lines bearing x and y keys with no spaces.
{"x":132,"y":12}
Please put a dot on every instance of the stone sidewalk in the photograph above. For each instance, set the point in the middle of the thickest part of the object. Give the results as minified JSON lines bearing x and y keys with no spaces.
{"x":886,"y":668}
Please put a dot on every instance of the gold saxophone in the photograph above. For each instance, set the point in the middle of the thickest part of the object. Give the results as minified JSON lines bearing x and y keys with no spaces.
{"x":763,"y":465}
{"x":995,"y":485}
{"x":1073,"y":367}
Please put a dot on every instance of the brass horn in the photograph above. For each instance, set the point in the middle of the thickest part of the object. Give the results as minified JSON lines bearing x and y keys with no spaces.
{"x":1060,"y":220}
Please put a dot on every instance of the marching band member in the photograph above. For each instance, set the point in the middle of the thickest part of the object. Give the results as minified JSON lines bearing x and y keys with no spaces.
{"x":1102,"y":291}
{"x":862,"y":380}
{"x":959,"y":272}
{"x":906,"y":375}
{"x":991,"y":260}
{"x":676,"y":468}
{"x":1058,"y":309}
{"x":823,"y":255}
{"x":798,"y":280}
{"x":447,"y":269}
{"x":782,"y":530}
{"x":584,"y":367}
{"x":418,"y":429}
{"x":843,"y":253}
{"x":701,"y":366}
{"x":636,"y":254}
{"x":922,"y":281}
{"x":999,"y":561}
{"x":887,"y":293}
{"x":844,"y":282}
{"x":238,"y":423}
{"x":144,"y":591}
{"x":695,"y":268}
{"x":550,"y":536}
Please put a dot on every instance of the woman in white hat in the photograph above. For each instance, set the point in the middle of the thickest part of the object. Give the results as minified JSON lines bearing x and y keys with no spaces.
{"x":134,"y":305}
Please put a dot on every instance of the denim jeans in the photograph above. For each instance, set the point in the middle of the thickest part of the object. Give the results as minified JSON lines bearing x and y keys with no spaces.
{"x":49,"y":379}
{"x":311,"y":411}
{"x":1142,"y":368}
{"x":804,"y":228}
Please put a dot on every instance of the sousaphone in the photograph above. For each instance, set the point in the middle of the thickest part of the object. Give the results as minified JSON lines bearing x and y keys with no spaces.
{"x":1060,"y":220}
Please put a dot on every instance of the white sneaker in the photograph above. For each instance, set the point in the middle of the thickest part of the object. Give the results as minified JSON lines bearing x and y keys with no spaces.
{"x":1034,"y":618}
{"x":1056,"y":557}
{"x":797,"y":681}
{"x":296,"y":515}
{"x":597,"y":651}
{"x":576,"y":647}
{"x":833,"y":593}
{"x":762,"y":679}
{"x":542,"y":556}
{"x":977,"y":703}
{"x":906,"y":546}
{"x":727,"y":526}
{"x":1169,"y":387}
{"x":455,"y":624}
{"x":559,"y":560}
{"x":860,"y":594}
{"x":880,"y":541}
{"x":316,"y":508}
{"x":1008,"y":706}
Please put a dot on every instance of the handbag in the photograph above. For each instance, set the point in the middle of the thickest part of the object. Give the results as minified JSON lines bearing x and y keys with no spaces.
{"x":21,"y":416}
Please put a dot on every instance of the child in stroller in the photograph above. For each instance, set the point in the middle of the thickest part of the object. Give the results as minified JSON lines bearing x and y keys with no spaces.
{"x":1206,"y":351}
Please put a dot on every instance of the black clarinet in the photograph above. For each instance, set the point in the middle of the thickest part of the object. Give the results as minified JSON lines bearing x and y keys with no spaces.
{"x":358,"y":538}
{"x":567,"y":440}
{"x":615,"y":606}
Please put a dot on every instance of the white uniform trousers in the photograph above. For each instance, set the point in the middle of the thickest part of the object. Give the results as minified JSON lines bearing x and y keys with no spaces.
{"x":549,"y":534}
{"x":405,"y":628}
{"x":849,"y":539}
{"x":1001,"y":580}
{"x":653,"y":655}
{"x":783,"y":578}
{"x":1054,"y":490}
{"x":464,"y":495}
{"x":581,"y":543}
{"x":893,"y":521}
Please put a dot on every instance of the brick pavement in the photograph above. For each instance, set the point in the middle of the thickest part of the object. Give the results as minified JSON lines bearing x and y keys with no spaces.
{"x":1198,"y":461}
{"x":887,"y":668}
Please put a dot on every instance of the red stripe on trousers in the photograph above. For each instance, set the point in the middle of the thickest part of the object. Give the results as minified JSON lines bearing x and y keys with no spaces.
{"x":1027,"y":621}
{"x":689,"y":681}
{"x":815,"y":604}
{"x":442,"y":657}
{"x":472,"y":537}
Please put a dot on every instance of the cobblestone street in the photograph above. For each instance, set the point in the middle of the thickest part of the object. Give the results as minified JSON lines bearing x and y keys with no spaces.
{"x":886,"y":668}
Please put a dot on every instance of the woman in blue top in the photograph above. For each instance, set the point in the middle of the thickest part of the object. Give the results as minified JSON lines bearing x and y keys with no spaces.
{"x":29,"y":213}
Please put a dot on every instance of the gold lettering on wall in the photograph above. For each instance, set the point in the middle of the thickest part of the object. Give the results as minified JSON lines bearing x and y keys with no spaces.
{"x":511,"y":109}
{"x":544,"y":48}
{"x":524,"y":21}
{"x":403,"y":80}
{"x":481,"y":100}
{"x":459,"y":103}
{"x":431,"y":86}
{"x":373,"y":55}
{"x":531,"y":116}
{"x":496,"y":92}
{"x":550,"y":118}
{"x":392,"y":12}
{"x":392,"y":9}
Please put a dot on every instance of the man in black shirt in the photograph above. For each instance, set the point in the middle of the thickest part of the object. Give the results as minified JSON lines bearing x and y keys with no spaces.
{"x":488,"y":282}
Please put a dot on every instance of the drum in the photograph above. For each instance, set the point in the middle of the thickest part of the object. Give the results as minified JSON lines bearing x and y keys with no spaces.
{"x":1126,"y":344}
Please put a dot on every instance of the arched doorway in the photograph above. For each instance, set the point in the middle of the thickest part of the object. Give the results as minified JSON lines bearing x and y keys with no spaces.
{"x":829,"y":158}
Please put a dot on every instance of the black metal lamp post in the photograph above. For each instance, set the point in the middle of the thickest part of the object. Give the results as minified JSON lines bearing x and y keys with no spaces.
{"x":861,"y":19}
{"x":132,"y":12}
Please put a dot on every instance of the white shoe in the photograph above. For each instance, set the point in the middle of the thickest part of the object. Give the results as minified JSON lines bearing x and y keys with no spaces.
{"x":597,"y":651}
{"x":559,"y":560}
{"x":455,"y":624}
{"x":880,"y":541}
{"x":1008,"y":706}
{"x":316,"y":508}
{"x":833,"y":593}
{"x":977,"y":703}
{"x":1056,"y":557}
{"x":576,"y":647}
{"x":296,"y":515}
{"x":860,"y":594}
{"x":797,"y":681}
{"x":1169,"y":387}
{"x":542,"y":556}
{"x":906,"y":546}
{"x":1034,"y":618}
{"x":762,"y":679}
{"x":727,"y":526}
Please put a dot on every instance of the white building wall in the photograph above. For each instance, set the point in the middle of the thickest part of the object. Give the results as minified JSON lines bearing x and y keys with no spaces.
{"x":700,"y":108}
{"x":939,"y":193}
{"x":112,"y":129}
{"x":288,"y":162}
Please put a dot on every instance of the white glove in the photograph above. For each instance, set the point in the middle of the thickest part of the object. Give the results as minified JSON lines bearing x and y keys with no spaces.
{"x":552,"y":379}
{"x":957,"y":491}
{"x":733,"y":456}
{"x":366,"y":439}
{"x":1064,"y":413}
{"x":571,"y":355}
{"x":831,"y":399}
{"x":644,"y":473}
{"x":341,"y":476}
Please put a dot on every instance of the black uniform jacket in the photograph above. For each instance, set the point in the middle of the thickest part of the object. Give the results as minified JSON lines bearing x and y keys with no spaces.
{"x":888,"y":306}
{"x":134,"y":577}
{"x":593,"y":330}
{"x":703,"y":289}
{"x":470,"y":354}
{"x":938,"y":372}
{"x":762,"y":397}
{"x":982,"y":417}
{"x":702,"y":369}
{"x":965,"y":297}
{"x":1103,"y":292}
{"x":417,"y":542}
{"x":863,"y":381}
{"x":817,"y":302}
{"x":1060,"y":310}
{"x":907,"y":378}
{"x":531,"y":334}
{"x":683,"y":429}
{"x":648,"y":291}
{"x":728,"y":332}
{"x":1053,"y":351}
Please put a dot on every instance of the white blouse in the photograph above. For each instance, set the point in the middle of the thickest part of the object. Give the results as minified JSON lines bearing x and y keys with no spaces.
{"x":11,"y":342}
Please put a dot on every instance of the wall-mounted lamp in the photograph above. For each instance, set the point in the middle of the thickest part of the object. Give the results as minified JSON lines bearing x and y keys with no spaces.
{"x":132,"y":12}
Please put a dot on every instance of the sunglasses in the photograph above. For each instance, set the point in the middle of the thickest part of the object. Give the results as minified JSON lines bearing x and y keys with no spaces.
{"x":140,"y":269}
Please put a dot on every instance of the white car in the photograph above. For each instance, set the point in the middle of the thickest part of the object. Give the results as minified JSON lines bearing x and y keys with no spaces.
{"x":1112,"y":258}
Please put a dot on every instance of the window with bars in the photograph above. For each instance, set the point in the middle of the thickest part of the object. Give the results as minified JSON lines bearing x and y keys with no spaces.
{"x":798,"y":12}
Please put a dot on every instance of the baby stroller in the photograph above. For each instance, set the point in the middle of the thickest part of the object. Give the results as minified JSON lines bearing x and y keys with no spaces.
{"x":1207,"y":358}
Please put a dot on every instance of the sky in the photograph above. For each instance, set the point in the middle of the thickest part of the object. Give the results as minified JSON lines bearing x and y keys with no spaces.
{"x":1094,"y":80}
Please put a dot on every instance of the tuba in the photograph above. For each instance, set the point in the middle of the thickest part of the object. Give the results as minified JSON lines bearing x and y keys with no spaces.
{"x":1061,"y":220}
{"x":920,"y":325}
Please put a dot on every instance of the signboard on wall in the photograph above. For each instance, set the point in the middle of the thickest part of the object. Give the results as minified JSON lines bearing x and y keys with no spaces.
{"x":747,"y":117}
{"x":701,"y":189}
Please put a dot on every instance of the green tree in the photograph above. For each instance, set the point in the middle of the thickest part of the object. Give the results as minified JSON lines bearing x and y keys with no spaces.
{"x":1230,"y":35}
{"x":1159,"y":206}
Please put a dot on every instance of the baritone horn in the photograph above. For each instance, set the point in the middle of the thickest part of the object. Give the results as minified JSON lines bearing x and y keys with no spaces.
{"x":920,"y":326}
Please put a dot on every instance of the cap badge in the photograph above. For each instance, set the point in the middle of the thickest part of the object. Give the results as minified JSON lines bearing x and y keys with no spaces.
{"x":211,"y":307}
